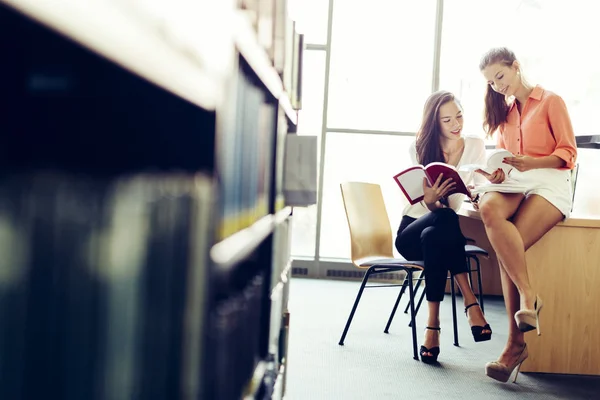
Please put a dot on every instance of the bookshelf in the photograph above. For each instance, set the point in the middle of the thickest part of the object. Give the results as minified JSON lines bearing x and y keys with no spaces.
{"x":144,"y":229}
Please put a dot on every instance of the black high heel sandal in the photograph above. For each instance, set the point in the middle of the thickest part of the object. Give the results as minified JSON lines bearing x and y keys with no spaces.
{"x":477,"y":331}
{"x":435,"y":351}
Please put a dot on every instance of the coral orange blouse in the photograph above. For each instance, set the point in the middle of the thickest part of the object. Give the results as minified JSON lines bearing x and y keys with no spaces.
{"x":544,"y":128}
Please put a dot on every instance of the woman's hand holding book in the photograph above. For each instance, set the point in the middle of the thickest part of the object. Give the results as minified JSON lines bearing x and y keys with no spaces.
{"x":434,"y":193}
{"x":521,"y":163}
{"x":497,"y":176}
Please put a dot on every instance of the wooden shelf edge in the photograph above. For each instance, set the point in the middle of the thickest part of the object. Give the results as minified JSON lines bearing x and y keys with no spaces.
{"x":255,"y":381}
{"x":286,"y":105}
{"x":282,"y":215}
{"x":105,"y":29}
{"x":286,"y":270}
{"x":235,"y":248}
{"x":277,"y":290}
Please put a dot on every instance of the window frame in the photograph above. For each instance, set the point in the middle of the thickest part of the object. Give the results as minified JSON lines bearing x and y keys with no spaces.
{"x":325,"y":129}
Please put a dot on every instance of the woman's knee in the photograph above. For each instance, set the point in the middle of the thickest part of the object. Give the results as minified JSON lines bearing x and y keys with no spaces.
{"x":399,"y":246}
{"x":491,"y":213}
{"x":404,"y":248}
{"x":431,"y":237}
{"x":498,"y":207}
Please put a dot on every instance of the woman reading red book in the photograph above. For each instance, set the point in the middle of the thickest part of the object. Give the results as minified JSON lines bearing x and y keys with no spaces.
{"x":429,"y":229}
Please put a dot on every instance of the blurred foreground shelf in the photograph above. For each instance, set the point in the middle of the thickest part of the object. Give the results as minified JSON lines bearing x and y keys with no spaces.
{"x":142,"y":213}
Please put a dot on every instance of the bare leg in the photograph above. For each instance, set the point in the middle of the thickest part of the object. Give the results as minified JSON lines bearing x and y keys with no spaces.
{"x":507,"y":241}
{"x":516,"y":338}
{"x":474,"y":314}
{"x":534,"y":218}
{"x":465,"y":288}
{"x":432,"y":338}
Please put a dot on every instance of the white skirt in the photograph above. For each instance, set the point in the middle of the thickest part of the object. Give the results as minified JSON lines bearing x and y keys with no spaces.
{"x":552,"y":184}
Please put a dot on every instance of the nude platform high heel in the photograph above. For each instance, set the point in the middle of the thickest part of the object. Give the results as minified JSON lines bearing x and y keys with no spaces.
{"x":528,"y":320}
{"x":501,"y":372}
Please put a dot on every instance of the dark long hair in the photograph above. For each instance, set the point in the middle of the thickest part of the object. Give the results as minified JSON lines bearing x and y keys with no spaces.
{"x":496,"y":108}
{"x":429,"y":148}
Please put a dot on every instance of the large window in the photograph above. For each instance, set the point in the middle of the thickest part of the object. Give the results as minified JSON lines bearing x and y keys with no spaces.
{"x":381,"y":72}
{"x":381,"y":63}
{"x":304,"y":232}
{"x":362,"y":158}
{"x":548,"y":38}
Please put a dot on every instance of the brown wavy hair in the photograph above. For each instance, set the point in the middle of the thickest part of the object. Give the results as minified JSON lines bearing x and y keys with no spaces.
{"x":496,"y":108}
{"x":429,"y":148}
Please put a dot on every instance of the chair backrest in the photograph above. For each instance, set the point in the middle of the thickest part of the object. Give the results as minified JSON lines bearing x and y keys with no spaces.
{"x":368,"y":221}
{"x":574,"y":173}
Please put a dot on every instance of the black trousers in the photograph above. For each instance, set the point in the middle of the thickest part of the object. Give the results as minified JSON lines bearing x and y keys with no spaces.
{"x":437,"y":240}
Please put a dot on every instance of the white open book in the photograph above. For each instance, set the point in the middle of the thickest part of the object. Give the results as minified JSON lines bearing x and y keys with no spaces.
{"x":494,"y":161}
{"x":508,"y":186}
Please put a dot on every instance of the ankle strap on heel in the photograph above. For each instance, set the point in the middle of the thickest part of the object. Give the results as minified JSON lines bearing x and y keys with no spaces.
{"x":470,"y":305}
{"x":434,"y":329}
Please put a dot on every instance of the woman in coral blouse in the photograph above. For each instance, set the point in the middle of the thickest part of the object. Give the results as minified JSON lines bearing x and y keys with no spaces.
{"x":534,"y":125}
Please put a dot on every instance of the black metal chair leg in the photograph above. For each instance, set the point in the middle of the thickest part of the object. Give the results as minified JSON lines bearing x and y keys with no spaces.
{"x":479,"y":284}
{"x":404,"y":284}
{"x":468,"y":261}
{"x":412,"y":316}
{"x":453,"y":292}
{"x":418,"y":304}
{"x":360,"y":291}
{"x":416,"y":290}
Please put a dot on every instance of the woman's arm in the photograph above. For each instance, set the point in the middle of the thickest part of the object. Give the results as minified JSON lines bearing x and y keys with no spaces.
{"x":526,"y":163}
{"x":564,"y":154}
{"x":551,"y":161}
{"x":560,"y":125}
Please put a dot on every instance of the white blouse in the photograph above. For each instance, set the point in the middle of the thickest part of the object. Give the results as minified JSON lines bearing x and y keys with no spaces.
{"x":473,"y":153}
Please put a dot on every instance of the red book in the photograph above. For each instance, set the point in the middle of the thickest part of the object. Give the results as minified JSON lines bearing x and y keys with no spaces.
{"x":411,"y":180}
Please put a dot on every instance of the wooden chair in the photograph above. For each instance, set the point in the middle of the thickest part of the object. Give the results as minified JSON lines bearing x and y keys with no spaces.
{"x":371,"y":244}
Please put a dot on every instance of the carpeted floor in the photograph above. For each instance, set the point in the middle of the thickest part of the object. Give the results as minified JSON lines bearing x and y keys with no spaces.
{"x":374,"y":365}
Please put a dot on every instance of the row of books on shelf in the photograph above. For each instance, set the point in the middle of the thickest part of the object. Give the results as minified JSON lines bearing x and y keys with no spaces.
{"x":236,"y":324}
{"x":267,"y":34}
{"x":247,"y":322}
{"x":273,"y":25}
{"x":102,"y":284}
{"x":245,"y":156}
{"x":71,"y":109}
